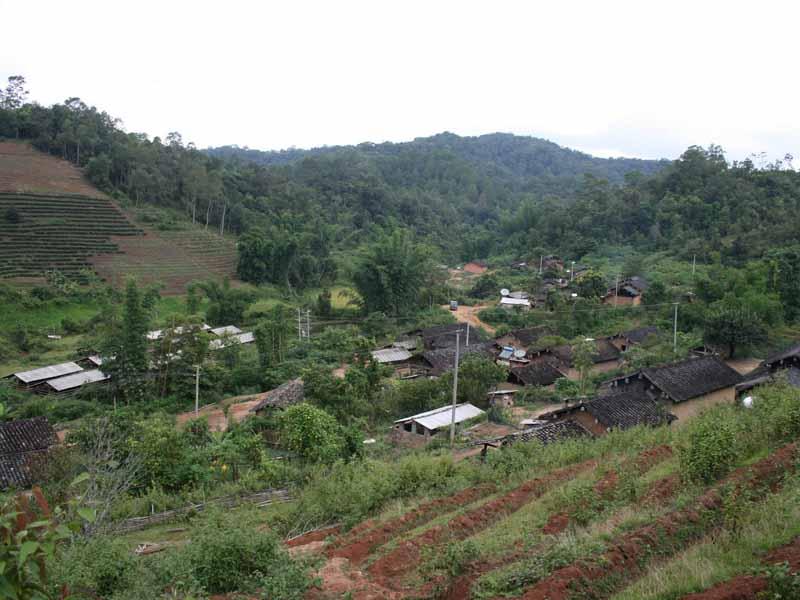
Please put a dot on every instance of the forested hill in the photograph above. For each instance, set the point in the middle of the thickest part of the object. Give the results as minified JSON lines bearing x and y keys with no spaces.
{"x":495,"y":154}
{"x":300,"y":213}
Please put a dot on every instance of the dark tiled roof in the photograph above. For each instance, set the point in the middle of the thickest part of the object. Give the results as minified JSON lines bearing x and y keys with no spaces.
{"x":628,"y":409}
{"x":605,"y":352}
{"x":283,"y":396}
{"x":762,"y":375}
{"x":22,"y":443}
{"x":442,"y":360}
{"x":693,"y":377}
{"x":552,"y":432}
{"x":638,"y":335}
{"x":540,"y":372}
{"x":443,"y":336}
{"x":792,"y":351}
{"x":26,"y":435}
{"x":638,"y":283}
{"x":529,"y":335}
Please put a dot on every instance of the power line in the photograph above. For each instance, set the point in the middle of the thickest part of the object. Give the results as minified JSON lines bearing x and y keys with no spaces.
{"x":323,"y":321}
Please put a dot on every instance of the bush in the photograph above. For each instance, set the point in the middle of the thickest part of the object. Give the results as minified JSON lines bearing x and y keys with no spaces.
{"x":710,"y":451}
{"x":103,"y":564}
{"x":71,"y":327}
{"x":225,"y":555}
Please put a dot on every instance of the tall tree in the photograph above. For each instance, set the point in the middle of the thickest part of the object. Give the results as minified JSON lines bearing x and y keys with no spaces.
{"x":733,"y":328}
{"x":392,"y":272}
{"x":125,"y":348}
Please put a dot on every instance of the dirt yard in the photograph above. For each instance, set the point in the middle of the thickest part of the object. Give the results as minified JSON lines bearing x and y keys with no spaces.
{"x":469,"y":314}
{"x":215,"y":413}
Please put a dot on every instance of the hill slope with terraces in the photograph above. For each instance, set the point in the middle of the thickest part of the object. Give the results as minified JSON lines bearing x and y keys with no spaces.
{"x":52,"y":218}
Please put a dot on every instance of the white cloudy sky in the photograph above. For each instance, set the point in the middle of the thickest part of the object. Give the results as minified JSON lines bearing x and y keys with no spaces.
{"x":632,"y":78}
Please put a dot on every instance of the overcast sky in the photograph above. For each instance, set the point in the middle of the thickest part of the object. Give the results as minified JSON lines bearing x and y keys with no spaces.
{"x":612,"y":78}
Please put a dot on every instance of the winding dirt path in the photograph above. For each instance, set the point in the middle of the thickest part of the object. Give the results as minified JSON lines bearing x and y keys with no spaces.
{"x":469,"y":314}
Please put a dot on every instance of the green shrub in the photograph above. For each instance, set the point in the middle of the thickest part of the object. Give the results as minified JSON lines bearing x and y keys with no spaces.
{"x":782,"y":584}
{"x":710,"y":450}
{"x":226,"y":555}
{"x":102,"y":564}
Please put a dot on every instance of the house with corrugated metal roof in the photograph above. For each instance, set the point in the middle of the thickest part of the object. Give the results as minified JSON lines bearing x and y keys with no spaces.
{"x":72,"y":383}
{"x":431,"y":422}
{"x":42,"y":374}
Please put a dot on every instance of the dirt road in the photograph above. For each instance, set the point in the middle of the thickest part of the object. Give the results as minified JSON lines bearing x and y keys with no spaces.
{"x":469,"y":314}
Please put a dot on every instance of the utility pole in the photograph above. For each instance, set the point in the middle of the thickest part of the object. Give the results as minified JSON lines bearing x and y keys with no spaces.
{"x":541,"y":261}
{"x":616,"y":290}
{"x":675,"y":331}
{"x":455,"y":392}
{"x":196,"y":391}
{"x":299,"y":326}
{"x":467,"y":344}
{"x":308,"y":324}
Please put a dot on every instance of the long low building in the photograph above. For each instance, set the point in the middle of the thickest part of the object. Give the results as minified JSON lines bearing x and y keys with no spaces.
{"x":428,"y":423}
{"x":72,"y":382}
{"x":246,"y":337}
{"x":37,"y":376}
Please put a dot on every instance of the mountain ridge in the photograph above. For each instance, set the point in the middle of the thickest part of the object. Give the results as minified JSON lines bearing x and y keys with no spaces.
{"x":498,"y":154}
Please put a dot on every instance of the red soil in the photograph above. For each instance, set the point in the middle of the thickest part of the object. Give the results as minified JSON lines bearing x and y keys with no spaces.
{"x":652,"y":457}
{"x":23,"y":169}
{"x":662,"y":489}
{"x":627,"y":557}
{"x":748,"y":587}
{"x":357,"y":544}
{"x":389,"y":568}
{"x":312,"y":536}
{"x":556,"y":523}
{"x":606,"y":484}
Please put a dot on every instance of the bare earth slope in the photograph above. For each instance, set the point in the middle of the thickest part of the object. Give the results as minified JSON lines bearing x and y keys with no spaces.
{"x":51,"y":217}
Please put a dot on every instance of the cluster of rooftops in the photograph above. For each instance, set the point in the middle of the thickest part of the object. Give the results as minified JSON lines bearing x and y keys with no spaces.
{"x":648,"y":396}
{"x":70,"y":376}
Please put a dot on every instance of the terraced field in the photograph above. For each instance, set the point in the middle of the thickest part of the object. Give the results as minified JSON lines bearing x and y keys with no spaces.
{"x":592,"y":530}
{"x":58,"y":232}
{"x":172,"y":258}
{"x":51,"y":217}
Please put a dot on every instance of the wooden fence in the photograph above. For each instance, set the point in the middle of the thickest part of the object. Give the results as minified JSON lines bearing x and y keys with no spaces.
{"x":262,"y":498}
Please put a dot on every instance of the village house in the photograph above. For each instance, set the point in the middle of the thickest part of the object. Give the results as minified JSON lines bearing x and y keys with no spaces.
{"x":542,"y":373}
{"x":509,"y":303}
{"x":613,"y":412}
{"x":285,"y":395}
{"x":24,"y":445}
{"x":545,"y":434}
{"x":552,"y":263}
{"x":785,"y":363}
{"x":443,"y":360}
{"x":427,"y":424}
{"x":443,"y":336}
{"x":605,"y":358}
{"x":29,"y":379}
{"x":685,"y":387}
{"x":72,"y":383}
{"x":501,"y":398}
{"x":627,"y":292}
{"x":624,"y":340}
{"x":523,"y":339}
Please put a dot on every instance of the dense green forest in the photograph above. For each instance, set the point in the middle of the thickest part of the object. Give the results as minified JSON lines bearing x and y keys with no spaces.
{"x":494,"y":195}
